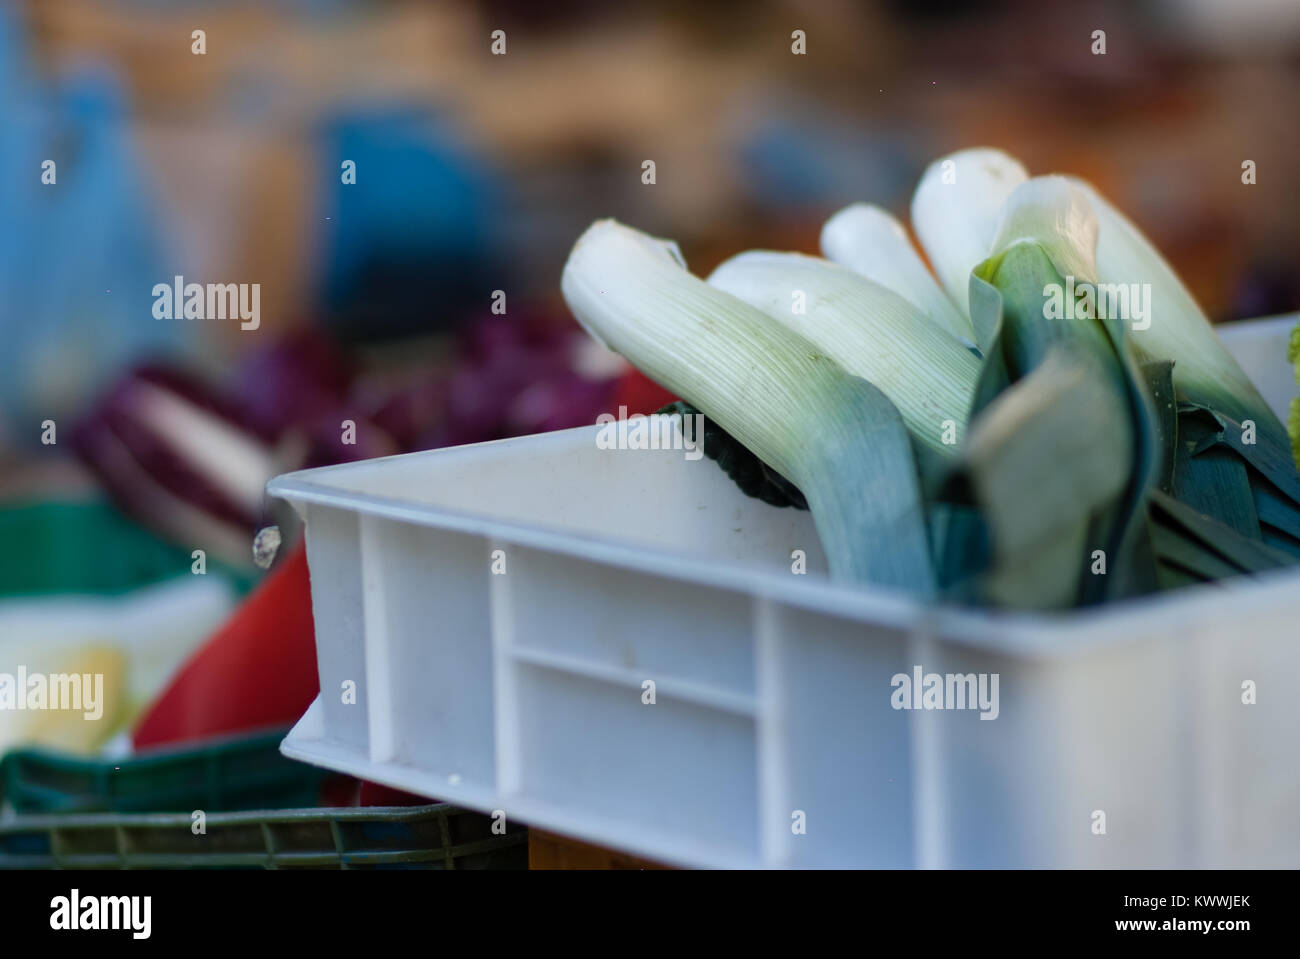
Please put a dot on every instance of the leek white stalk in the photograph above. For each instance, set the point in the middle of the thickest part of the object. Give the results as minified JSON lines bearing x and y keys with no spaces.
{"x":830,"y":433}
{"x":956,"y":210}
{"x":868,"y":240}
{"x":871,"y":331}
{"x":632,"y":292}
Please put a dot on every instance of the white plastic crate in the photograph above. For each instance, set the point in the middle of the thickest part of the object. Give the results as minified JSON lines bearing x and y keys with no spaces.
{"x":523,"y":691}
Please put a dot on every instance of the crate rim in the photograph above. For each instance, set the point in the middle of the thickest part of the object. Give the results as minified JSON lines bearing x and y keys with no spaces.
{"x":1038,"y":635}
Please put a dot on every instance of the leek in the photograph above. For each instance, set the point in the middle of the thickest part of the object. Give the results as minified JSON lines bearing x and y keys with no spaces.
{"x":1207,"y":374}
{"x":1171,"y":327}
{"x":836,"y":437}
{"x":1208,"y":381}
{"x":1187,"y":448}
{"x":1054,"y":392}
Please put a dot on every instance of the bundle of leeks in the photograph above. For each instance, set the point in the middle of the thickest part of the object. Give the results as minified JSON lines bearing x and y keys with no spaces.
{"x":1053,"y":423}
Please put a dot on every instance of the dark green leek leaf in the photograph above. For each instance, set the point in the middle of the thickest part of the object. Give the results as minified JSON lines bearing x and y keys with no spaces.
{"x":754,"y":477}
{"x":1214,"y":481}
{"x":1245,"y":554}
{"x":1133,"y":570}
{"x":1280,"y":541}
{"x":1183,"y":559}
{"x":1274,"y":509}
{"x":1269,"y":458}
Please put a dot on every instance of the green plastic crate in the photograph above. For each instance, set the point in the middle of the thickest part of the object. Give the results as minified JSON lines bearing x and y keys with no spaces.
{"x":219,"y":775}
{"x":89,"y":548}
{"x":438,"y":836}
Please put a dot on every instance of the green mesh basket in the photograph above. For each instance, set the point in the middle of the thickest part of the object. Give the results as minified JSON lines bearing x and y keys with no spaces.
{"x":218,"y":775}
{"x":438,"y":836}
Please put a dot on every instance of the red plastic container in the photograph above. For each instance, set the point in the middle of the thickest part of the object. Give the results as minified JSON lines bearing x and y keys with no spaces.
{"x":258,"y":670}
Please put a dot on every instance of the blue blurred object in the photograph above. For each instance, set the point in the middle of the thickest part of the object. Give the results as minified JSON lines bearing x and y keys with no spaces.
{"x":78,"y":257}
{"x":799,"y":158}
{"x":414,"y":242}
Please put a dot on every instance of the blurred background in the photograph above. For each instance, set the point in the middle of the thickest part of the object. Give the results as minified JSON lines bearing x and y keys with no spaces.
{"x":380,"y":173}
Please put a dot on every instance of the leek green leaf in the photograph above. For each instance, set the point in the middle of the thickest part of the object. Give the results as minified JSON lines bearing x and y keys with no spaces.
{"x":1159,"y":377}
{"x":1245,"y":554}
{"x":1183,"y":560}
{"x":1212,"y":479}
{"x":1275,"y":510}
{"x":1040,"y":515}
